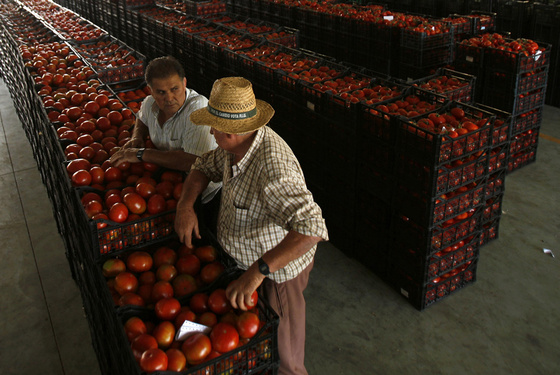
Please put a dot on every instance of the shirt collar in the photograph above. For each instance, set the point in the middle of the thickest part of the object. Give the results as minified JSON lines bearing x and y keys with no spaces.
{"x":242,"y":165}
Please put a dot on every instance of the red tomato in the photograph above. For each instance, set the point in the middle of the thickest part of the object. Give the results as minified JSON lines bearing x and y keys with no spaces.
{"x":165,"y":189}
{"x":248,"y":324}
{"x":199,"y":303}
{"x":184,"y":314}
{"x":126,"y":282}
{"x":189,"y":264}
{"x":164,"y":334}
{"x":133,"y":299}
{"x":118,"y":213}
{"x":112,"y":267}
{"x":112,"y":199}
{"x":196,"y":347}
{"x":142,"y":343}
{"x":113,"y":174}
{"x":139,"y":261}
{"x":167,"y":308}
{"x":166,"y":272}
{"x":135,"y":203}
{"x":162,"y":289}
{"x":224,"y":337}
{"x":211,"y":272}
{"x":218,"y":302}
{"x":86,"y":152}
{"x":183,"y":285}
{"x":156,"y":204}
{"x":78,"y":164}
{"x":97,"y":174}
{"x":134,"y":327}
{"x":153,"y":360}
{"x":208,"y":319}
{"x":81,"y":178}
{"x":176,"y":360}
{"x":206,"y":254}
{"x":145,"y":190}
{"x":115,"y":117}
{"x":164,"y":255}
{"x":93,"y":208}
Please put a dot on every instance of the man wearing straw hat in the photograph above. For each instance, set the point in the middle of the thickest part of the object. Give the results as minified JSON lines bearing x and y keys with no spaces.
{"x":268,"y":220}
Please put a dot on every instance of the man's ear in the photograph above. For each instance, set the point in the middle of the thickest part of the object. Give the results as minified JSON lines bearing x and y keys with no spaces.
{"x":185,"y":81}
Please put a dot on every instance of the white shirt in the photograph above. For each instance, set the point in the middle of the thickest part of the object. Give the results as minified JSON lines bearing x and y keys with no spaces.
{"x":179,"y":133}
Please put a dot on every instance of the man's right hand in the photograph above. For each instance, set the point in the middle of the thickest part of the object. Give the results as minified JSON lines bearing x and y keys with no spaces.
{"x":186,"y":224}
{"x":134,"y":143}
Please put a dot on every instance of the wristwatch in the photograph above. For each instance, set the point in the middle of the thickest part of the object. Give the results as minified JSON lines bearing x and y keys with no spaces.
{"x":263,"y":267}
{"x":140,"y":153}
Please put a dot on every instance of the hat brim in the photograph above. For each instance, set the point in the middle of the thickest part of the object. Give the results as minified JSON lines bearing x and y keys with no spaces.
{"x":264,"y":114}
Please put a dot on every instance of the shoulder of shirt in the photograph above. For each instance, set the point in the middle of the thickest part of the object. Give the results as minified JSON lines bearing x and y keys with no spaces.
{"x":196,"y":99}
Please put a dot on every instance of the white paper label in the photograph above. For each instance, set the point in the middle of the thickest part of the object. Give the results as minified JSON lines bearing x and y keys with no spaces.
{"x":188,"y":328}
{"x":469,"y":58}
{"x":311,"y":106}
{"x":404,"y":292}
{"x":537,"y":55}
{"x":388,"y":18}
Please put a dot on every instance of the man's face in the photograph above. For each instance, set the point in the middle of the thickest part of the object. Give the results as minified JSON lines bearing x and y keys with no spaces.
{"x":169,"y":93}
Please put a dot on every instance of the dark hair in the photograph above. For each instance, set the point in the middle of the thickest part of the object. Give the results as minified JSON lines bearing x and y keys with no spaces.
{"x":163,"y":67}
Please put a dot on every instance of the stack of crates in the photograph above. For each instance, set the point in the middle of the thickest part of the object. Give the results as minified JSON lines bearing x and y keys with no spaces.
{"x":545,"y":27}
{"x":513,"y":17}
{"x":516,"y":83}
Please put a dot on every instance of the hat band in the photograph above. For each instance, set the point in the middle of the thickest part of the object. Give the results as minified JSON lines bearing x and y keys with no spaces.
{"x":231,"y":115}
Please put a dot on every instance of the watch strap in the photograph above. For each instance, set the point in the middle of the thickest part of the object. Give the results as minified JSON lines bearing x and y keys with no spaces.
{"x":263,"y":267}
{"x":140,"y":153}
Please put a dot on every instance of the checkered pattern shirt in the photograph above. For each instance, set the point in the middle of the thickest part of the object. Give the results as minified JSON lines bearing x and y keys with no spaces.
{"x":178,"y":132}
{"x":263,"y":197}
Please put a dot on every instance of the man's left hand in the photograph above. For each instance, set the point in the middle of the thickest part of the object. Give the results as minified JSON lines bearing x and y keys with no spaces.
{"x":239,"y":291}
{"x":124,"y":154}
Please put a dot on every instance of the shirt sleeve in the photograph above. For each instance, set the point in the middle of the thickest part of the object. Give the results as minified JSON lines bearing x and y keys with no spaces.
{"x":291,"y":204}
{"x":197,"y":140}
{"x":145,"y":108}
{"x":212,"y":164}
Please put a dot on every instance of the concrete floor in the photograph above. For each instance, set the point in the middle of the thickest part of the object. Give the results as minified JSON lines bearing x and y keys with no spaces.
{"x":508,"y":322}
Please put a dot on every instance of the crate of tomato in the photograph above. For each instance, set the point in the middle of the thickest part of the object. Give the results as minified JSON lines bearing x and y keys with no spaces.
{"x":246,"y":59}
{"x":448,"y":134}
{"x":450,"y":83}
{"x":516,"y":56}
{"x":200,"y":335}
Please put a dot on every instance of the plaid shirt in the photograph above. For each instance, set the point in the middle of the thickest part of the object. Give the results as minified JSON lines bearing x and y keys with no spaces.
{"x":263,"y":197}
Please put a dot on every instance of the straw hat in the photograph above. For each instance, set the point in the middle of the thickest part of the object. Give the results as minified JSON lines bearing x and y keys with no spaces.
{"x":232,"y":107}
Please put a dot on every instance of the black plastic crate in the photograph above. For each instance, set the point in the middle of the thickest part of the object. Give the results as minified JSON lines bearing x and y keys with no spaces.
{"x":517,"y":62}
{"x":423,"y":296}
{"x":526,"y":121}
{"x":498,"y":157}
{"x":244,"y":62}
{"x":492,"y":208}
{"x":421,"y":41}
{"x":516,"y":83}
{"x":521,"y":102}
{"x":502,"y":126}
{"x":428,"y":240}
{"x":495,"y":184}
{"x":258,"y":355}
{"x":545,"y":23}
{"x":427,"y":57}
{"x":484,"y":21}
{"x":490,"y":231}
{"x":521,"y":159}
{"x":513,"y":17}
{"x":522,"y":141}
{"x":423,"y":270}
{"x":468,"y":54}
{"x":449,"y":83}
{"x":432,"y":149}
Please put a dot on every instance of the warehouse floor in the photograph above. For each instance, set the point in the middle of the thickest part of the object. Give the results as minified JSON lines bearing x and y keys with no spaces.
{"x":508,"y":322}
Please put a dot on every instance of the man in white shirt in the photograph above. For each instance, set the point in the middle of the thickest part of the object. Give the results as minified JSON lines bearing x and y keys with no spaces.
{"x":165,"y":117}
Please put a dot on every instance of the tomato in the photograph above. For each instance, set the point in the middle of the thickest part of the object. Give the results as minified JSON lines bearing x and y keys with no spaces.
{"x":145,"y":190}
{"x":113,"y":174}
{"x":141,"y":343}
{"x":139,"y":261}
{"x":183,"y":285}
{"x":148,"y":277}
{"x":184,"y":314}
{"x":165,"y":189}
{"x":176,"y":360}
{"x":150,"y":166}
{"x":156,"y":204}
{"x":218,"y":302}
{"x":97,"y":174}
{"x":208,"y":319}
{"x":164,"y":255}
{"x":112,"y":267}
{"x":166,"y":272}
{"x":248,"y":324}
{"x":211,"y":272}
{"x":458,"y":113}
{"x":153,"y":360}
{"x":126,"y":282}
{"x":161,"y":289}
{"x":189,"y":264}
{"x":78,"y":164}
{"x":115,"y":117}
{"x":118,"y":213}
{"x":164,"y":334}
{"x":135,"y":203}
{"x":199,"y":303}
{"x":131,"y":299}
{"x":224,"y":337}
{"x":196,"y":347}
{"x":134,"y":327}
{"x":112,"y":199}
{"x":81,"y":178}
{"x":93,"y":208}
{"x":206,"y":254}
{"x":167,"y":308}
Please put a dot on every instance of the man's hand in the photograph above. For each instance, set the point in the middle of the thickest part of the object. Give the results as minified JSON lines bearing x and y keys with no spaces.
{"x":124,"y":154}
{"x":239,"y":291}
{"x":134,"y":142}
{"x":186,"y":224}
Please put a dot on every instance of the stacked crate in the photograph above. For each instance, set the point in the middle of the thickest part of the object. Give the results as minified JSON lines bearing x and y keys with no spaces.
{"x":516,"y":83}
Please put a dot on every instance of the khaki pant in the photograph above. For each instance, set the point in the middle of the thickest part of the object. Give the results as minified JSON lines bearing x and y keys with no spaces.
{"x":287,"y":300}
